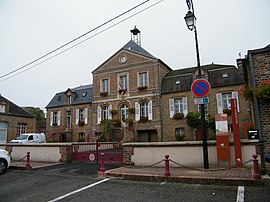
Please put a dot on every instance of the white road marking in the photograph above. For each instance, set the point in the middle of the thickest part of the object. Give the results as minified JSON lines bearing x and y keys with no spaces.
{"x":79,"y":190}
{"x":240,"y":194}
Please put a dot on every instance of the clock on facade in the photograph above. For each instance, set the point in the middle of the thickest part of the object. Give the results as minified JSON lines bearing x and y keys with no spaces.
{"x":122,"y":59}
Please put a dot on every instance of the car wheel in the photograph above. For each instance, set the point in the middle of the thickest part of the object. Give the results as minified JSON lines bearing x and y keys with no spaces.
{"x":3,"y":166}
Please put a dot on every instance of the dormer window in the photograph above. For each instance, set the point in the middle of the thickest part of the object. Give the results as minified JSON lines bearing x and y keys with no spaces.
{"x":84,"y":94}
{"x":2,"y":108}
{"x":69,"y":99}
{"x":177,"y":82}
{"x":225,"y":75}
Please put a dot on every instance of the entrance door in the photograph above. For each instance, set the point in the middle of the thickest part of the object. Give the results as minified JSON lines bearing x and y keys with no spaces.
{"x":3,"y":132}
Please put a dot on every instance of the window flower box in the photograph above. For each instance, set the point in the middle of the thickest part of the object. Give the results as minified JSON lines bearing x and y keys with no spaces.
{"x":227,"y":111}
{"x":178,"y":116}
{"x":54,"y":124}
{"x":81,"y":123}
{"x":103,"y":93}
{"x":143,"y":119}
{"x":122,"y":91}
{"x":142,"y":87}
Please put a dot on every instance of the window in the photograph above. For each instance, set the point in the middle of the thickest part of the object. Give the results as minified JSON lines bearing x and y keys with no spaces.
{"x":69,"y":99}
{"x":81,"y":137}
{"x":225,"y":75}
{"x":81,"y":116}
{"x":226,"y":100}
{"x":55,"y":118}
{"x":223,"y":101}
{"x":2,"y":108}
{"x":177,"y":85}
{"x":124,"y":112}
{"x":143,"y":109}
{"x":21,"y":128}
{"x":178,"y":105}
{"x":3,"y":132}
{"x":105,"y":85}
{"x":143,"y":79}
{"x":205,"y":108}
{"x":179,"y":134}
{"x":123,"y":82}
{"x":105,"y":113}
{"x":68,"y":119}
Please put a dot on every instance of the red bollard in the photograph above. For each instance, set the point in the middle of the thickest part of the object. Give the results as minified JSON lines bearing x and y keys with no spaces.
{"x":102,"y":167}
{"x":167,"y":167}
{"x":27,"y":165}
{"x":256,"y":172}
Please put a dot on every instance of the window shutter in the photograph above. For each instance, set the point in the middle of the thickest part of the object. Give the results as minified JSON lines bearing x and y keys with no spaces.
{"x":137,"y":111}
{"x":235,"y":96}
{"x":98,"y":114}
{"x":77,"y":116}
{"x":51,"y":119}
{"x":219,"y":103}
{"x":58,"y":118}
{"x":185,"y":106}
{"x":150,"y":113}
{"x":171,"y":107}
{"x":85,"y":115}
{"x":110,"y":112}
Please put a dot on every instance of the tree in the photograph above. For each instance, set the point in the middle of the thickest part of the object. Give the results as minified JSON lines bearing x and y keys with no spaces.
{"x":37,"y":112}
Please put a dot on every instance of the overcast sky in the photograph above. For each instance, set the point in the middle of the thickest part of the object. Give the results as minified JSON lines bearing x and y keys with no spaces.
{"x":33,"y":28}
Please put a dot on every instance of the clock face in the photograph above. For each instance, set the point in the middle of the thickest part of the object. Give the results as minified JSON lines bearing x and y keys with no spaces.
{"x":122,"y":59}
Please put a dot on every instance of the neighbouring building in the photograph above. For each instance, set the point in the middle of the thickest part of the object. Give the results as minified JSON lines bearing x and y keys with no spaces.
{"x":136,"y":97}
{"x":69,"y":115}
{"x":14,"y":121}
{"x":256,"y":67}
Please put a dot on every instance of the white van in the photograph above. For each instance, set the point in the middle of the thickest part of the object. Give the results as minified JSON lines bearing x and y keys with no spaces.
{"x":30,"y":138}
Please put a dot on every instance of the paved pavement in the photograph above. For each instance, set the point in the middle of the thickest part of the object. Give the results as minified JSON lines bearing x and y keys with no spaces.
{"x":234,"y":176}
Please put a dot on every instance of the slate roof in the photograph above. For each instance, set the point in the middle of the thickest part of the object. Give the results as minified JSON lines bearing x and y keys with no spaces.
{"x":15,"y":110}
{"x":184,"y":77}
{"x":134,"y":47}
{"x":83,"y":95}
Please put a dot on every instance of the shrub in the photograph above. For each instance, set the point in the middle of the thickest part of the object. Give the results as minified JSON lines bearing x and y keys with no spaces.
{"x":178,"y":116}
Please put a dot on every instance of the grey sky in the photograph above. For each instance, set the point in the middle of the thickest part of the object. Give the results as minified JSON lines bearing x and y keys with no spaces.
{"x":32,"y":28}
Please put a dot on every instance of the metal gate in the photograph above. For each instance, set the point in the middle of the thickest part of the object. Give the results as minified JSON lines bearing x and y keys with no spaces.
{"x":90,"y":151}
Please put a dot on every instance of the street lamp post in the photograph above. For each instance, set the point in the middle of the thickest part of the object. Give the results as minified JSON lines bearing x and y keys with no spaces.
{"x":191,"y":24}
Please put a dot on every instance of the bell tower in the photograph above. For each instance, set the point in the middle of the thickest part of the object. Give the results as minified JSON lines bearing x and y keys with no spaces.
{"x":136,"y":35}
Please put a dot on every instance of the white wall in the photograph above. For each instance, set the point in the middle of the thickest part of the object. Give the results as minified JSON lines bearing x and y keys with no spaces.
{"x":190,"y":154}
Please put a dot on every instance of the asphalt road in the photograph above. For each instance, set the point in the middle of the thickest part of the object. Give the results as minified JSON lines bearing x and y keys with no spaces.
{"x":79,"y":182}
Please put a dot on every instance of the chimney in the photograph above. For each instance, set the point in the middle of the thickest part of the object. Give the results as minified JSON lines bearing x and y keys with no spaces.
{"x":241,"y":64}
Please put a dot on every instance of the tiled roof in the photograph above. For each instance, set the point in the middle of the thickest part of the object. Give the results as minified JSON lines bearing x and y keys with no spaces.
{"x":83,"y":95}
{"x":218,"y":75}
{"x":15,"y":110}
{"x":134,"y":47}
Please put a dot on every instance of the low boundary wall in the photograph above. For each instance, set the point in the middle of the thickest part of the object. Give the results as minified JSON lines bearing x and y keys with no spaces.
{"x":49,"y":152}
{"x":187,"y":153}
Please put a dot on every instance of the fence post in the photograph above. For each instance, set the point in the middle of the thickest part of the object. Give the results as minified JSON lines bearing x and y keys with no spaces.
{"x":167,"y":167}
{"x":256,"y":172}
{"x":97,"y":144}
{"x":102,"y":167}
{"x":27,"y":165}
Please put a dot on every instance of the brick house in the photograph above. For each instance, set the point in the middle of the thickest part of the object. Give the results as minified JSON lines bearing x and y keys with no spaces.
{"x":225,"y":81}
{"x":69,"y":115}
{"x":257,"y":74}
{"x":14,"y":121}
{"x":129,"y":84}
{"x":136,"y":95}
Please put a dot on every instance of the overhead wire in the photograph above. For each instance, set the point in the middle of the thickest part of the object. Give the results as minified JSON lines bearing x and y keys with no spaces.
{"x":82,"y":41}
{"x":73,"y":40}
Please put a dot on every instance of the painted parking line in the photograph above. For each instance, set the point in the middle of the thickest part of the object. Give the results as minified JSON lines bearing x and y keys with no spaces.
{"x":78,"y":190}
{"x":240,"y":194}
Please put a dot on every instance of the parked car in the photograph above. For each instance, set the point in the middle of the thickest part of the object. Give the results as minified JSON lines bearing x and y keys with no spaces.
{"x":30,"y":138}
{"x":4,"y":161}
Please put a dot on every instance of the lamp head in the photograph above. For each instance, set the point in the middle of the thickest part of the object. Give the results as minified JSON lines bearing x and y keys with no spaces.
{"x":190,"y":20}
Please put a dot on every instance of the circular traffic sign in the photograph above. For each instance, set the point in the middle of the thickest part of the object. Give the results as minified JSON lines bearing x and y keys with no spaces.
{"x":200,"y":88}
{"x":92,"y":157}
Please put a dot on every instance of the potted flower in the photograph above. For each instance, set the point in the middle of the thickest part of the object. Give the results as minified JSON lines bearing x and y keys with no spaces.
{"x":227,"y":111}
{"x":246,"y":92}
{"x":114,"y":111}
{"x":81,"y":123}
{"x":178,"y":116}
{"x":142,"y":87}
{"x":122,"y":91}
{"x":103,"y":93}
{"x":263,"y":91}
{"x":143,"y":119}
